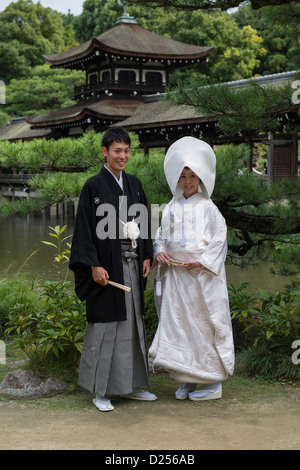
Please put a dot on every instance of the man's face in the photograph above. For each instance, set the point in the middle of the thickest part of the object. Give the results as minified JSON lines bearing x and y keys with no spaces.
{"x":116,"y":157}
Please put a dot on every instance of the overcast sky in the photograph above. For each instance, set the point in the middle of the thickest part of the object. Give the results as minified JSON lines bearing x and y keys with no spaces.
{"x":75,"y":6}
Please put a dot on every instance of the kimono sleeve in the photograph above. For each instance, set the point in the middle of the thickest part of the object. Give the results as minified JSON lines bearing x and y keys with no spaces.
{"x":159,"y":243}
{"x":147,"y":246}
{"x":214,"y":256}
{"x":163,"y":232}
{"x":84,"y":247}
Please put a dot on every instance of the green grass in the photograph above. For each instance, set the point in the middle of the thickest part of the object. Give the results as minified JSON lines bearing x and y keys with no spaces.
{"x":236,"y":389}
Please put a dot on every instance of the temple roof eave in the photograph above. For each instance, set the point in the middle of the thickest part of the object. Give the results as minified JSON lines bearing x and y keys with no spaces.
{"x":158,"y":113}
{"x":71,"y":120}
{"x":77,"y":113}
{"x":23,"y":131}
{"x":68,"y":62}
{"x":138,"y":43}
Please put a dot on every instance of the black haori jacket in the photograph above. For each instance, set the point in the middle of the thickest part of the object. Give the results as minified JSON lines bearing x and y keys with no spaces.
{"x":105,"y":303}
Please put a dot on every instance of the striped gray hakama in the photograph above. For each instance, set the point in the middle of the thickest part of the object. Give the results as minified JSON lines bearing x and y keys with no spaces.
{"x":114,"y":355}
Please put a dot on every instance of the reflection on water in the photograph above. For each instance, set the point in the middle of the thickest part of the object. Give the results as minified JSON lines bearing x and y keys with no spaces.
{"x":21,"y":240}
{"x":21,"y":237}
{"x":258,"y":277}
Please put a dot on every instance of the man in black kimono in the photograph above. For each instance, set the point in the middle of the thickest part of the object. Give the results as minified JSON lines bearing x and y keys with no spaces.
{"x":114,"y":353}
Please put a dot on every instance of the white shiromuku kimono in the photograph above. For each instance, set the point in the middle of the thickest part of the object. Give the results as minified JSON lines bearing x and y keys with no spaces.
{"x":194,"y":341}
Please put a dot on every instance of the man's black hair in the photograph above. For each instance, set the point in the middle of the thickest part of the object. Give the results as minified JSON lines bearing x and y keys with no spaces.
{"x":115,"y":134}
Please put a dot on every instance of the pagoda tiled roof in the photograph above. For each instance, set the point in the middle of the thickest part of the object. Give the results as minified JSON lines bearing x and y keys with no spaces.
{"x":114,"y":110}
{"x":129,"y":39}
{"x":160,"y":113}
{"x":22,"y":131}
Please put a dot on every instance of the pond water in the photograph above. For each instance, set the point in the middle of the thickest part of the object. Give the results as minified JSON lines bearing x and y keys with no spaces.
{"x":22,"y":252}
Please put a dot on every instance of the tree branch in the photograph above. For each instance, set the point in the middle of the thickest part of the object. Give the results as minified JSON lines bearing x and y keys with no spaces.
{"x":269,"y":225}
{"x":208,"y":4}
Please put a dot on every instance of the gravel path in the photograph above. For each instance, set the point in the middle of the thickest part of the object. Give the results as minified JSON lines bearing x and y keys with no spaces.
{"x":165,"y":424}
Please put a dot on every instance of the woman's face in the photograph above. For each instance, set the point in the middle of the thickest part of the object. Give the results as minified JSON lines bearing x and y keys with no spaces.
{"x":189,"y":182}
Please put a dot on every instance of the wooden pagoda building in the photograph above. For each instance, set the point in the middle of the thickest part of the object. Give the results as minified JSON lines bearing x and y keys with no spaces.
{"x":121,"y":65}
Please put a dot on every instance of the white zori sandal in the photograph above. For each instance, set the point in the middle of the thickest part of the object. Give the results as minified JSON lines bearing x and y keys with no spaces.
{"x":207,"y":392}
{"x":103,"y":404}
{"x":183,"y":392}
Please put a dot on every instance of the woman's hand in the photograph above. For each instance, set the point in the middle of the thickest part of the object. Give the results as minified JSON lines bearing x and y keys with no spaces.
{"x":162,"y":257}
{"x":100,"y":275}
{"x":192,"y":265}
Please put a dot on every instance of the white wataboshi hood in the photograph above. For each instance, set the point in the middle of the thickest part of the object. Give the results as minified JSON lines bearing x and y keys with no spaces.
{"x":195,"y":154}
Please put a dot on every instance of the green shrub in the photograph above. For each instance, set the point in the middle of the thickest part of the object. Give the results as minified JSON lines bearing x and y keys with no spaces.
{"x":274,"y":317}
{"x":269,"y":362}
{"x":274,"y":322}
{"x":63,"y":249}
{"x":241,"y":304}
{"x":51,"y":322}
{"x":15,"y":290}
{"x":56,"y":325}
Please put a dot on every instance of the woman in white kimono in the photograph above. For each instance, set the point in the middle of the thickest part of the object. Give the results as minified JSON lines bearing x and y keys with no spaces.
{"x":194,"y":339}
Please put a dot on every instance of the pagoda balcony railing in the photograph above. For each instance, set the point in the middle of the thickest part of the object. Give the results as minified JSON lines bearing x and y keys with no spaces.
{"x":14,"y":178}
{"x":112,"y":86}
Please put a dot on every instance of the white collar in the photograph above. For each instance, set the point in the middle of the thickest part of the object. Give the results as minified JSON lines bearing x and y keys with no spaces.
{"x":120,"y":180}
{"x":183,"y":200}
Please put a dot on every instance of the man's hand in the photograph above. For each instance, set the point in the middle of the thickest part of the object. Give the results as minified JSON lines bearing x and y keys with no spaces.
{"x":100,"y":275}
{"x":146,"y":267}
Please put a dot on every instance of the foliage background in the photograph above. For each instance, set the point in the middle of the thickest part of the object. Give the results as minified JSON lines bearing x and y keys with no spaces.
{"x":247,"y":42}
